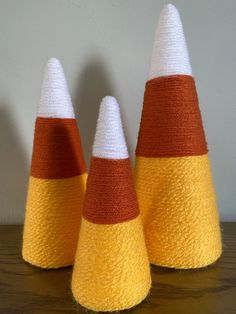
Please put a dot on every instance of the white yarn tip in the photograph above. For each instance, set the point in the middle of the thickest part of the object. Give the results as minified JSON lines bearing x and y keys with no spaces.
{"x":170,"y":53}
{"x":55,"y":101}
{"x":109,"y":139}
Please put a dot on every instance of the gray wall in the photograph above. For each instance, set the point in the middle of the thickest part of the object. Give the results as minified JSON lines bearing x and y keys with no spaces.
{"x":105,"y":48}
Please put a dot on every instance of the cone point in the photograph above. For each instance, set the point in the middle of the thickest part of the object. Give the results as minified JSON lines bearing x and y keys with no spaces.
{"x":55,"y":101}
{"x":109,"y":140}
{"x":169,"y":6}
{"x":53,"y":62}
{"x":170,"y":53}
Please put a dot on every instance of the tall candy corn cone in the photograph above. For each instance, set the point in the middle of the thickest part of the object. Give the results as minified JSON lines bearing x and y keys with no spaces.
{"x":57,"y":178}
{"x":173,"y":176}
{"x":111,"y":270}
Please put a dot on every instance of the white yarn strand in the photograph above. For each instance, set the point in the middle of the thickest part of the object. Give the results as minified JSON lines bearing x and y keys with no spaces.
{"x":170,"y":53}
{"x":109,"y":139}
{"x":55,"y":101}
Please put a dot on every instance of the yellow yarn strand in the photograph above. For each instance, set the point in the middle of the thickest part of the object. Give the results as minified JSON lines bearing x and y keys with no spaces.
{"x":111,"y":270}
{"x":53,"y":215}
{"x":179,"y":211}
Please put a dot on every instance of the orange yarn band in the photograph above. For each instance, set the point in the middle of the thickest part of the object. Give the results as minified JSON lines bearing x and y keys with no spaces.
{"x":171,"y":123}
{"x":57,"y":151}
{"x":110,"y":196}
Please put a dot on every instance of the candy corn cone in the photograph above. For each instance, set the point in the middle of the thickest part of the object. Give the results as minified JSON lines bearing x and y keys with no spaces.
{"x":173,"y":176}
{"x":57,"y":178}
{"x":111,"y":270}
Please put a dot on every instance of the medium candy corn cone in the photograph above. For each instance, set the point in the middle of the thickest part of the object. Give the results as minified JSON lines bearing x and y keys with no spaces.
{"x":57,"y":178}
{"x":173,"y":176}
{"x":111,"y":270}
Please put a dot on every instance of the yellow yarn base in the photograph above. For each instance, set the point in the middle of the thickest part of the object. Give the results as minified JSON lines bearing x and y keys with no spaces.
{"x":111,"y":270}
{"x":53,"y":215}
{"x":179,"y":212}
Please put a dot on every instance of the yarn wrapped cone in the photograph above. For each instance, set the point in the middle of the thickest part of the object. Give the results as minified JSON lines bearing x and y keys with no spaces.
{"x":57,"y":178}
{"x":111,"y":270}
{"x":172,"y":172}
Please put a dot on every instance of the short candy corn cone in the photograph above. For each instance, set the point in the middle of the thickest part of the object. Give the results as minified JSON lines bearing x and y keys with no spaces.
{"x":173,"y":175}
{"x":111,"y":270}
{"x":57,"y":178}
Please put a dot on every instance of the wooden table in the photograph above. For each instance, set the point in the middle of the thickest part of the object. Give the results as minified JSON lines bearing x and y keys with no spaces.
{"x":25,"y":289}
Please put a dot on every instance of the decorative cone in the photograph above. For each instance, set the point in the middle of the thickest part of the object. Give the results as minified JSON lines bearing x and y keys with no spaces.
{"x":173,"y":175}
{"x":111,"y":270}
{"x":57,"y":178}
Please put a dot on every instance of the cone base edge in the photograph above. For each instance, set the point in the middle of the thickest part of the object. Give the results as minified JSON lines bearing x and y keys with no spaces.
{"x":122,"y":308}
{"x":44,"y":266}
{"x":185,"y":267}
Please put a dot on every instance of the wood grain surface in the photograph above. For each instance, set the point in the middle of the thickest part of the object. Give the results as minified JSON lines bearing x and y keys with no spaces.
{"x":25,"y":289}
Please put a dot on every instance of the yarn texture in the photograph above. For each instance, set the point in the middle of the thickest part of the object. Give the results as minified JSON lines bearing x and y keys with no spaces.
{"x":178,"y":210}
{"x":100,"y":205}
{"x":111,"y":270}
{"x":110,"y":144}
{"x":171,"y":123}
{"x":55,"y":101}
{"x":53,"y":220}
{"x":172,"y":171}
{"x":57,"y":178}
{"x":170,"y":54}
{"x":58,"y":151}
